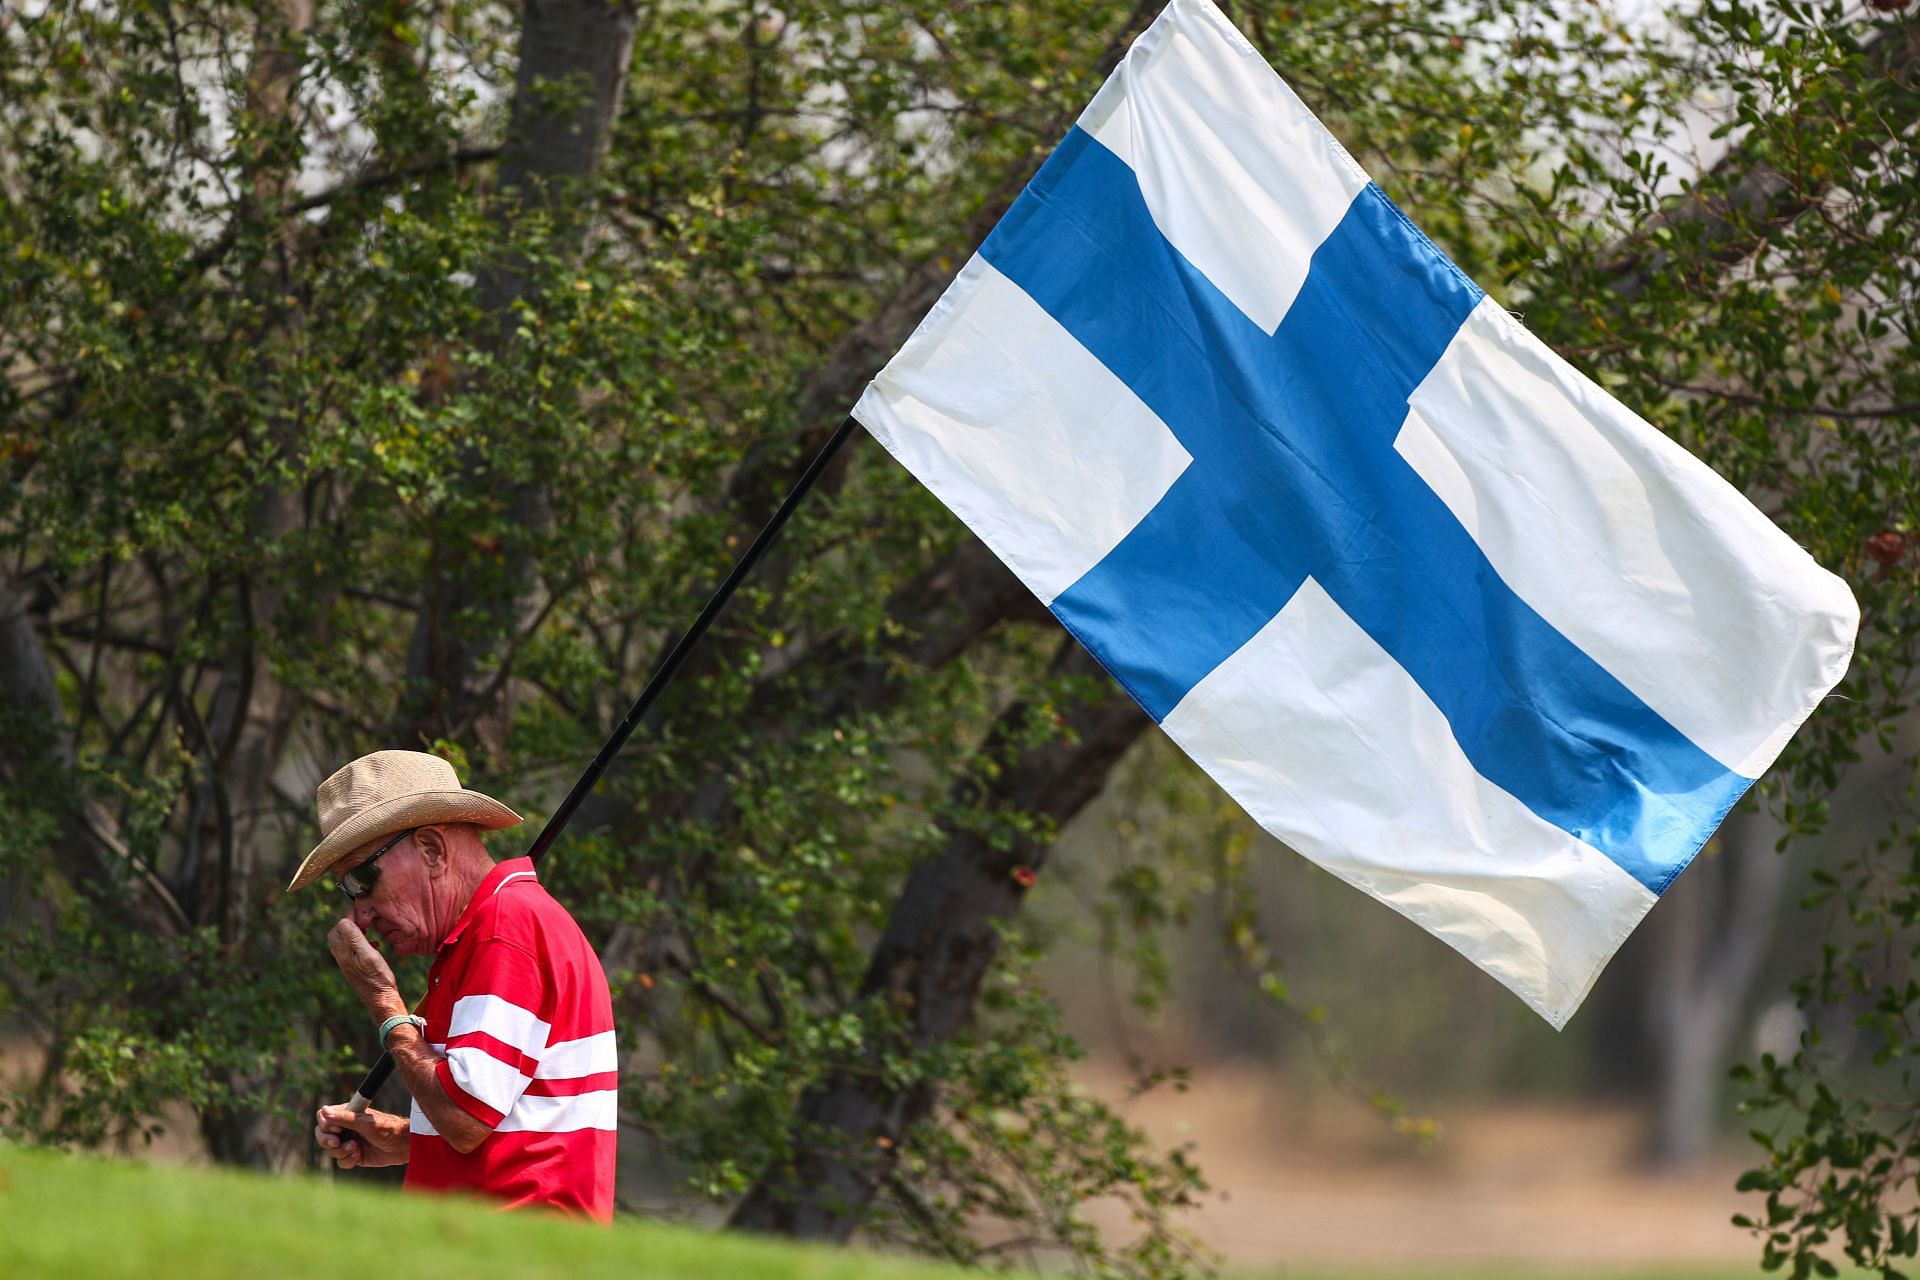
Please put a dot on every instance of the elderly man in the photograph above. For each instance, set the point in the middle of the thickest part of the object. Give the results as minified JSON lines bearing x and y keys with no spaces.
{"x":511,"y":1060}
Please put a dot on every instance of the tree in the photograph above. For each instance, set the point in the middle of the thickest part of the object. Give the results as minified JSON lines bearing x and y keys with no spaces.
{"x":393,"y":375}
{"x":1818,"y":218}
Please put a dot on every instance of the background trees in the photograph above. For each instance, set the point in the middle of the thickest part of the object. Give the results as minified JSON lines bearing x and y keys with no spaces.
{"x":403,"y":374}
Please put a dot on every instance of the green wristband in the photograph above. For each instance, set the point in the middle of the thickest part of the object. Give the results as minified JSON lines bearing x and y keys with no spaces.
{"x":386,"y":1028}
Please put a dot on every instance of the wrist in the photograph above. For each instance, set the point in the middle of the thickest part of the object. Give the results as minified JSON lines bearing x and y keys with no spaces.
{"x":398,"y":1020}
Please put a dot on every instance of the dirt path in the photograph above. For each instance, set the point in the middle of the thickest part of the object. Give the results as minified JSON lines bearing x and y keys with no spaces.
{"x":1326,"y":1183}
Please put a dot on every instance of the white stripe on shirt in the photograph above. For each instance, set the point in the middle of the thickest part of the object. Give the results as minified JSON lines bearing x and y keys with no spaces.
{"x":587,"y":1056}
{"x":532,"y":1114}
{"x":485,"y":1077}
{"x":503,"y":1020}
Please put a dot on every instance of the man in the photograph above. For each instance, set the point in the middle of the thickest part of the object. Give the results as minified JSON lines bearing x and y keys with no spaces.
{"x":512,"y":1061}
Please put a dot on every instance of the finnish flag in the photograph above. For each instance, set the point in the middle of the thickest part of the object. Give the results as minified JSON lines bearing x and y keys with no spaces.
{"x":1435,"y":609}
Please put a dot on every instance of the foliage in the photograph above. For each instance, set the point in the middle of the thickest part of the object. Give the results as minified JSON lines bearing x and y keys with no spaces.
{"x":279,"y":445}
{"x":1839,"y":1175}
{"x":1818,"y":333}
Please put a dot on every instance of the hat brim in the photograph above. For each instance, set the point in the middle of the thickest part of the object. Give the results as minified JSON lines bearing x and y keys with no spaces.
{"x":416,"y":809}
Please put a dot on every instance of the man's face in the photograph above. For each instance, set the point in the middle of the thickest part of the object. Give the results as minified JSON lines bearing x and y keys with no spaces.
{"x":400,"y":908}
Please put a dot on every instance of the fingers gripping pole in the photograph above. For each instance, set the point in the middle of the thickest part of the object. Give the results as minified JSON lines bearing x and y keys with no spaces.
{"x":376,"y":1076}
{"x":668,"y":668}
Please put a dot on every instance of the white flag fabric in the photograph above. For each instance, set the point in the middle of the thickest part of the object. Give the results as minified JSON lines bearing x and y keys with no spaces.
{"x":1435,"y":609}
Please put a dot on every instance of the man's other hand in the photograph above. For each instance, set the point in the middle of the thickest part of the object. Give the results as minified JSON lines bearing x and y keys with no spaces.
{"x":360,"y":1139}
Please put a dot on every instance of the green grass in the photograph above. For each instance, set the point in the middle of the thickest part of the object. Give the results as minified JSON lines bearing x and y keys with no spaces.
{"x":79,"y":1217}
{"x":1512,"y":1271}
{"x":67,"y":1216}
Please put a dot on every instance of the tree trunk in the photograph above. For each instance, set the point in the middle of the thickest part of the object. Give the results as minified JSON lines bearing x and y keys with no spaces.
{"x":1710,"y":936}
{"x":572,"y":71}
{"x":239,"y":740}
{"x":939,"y":942}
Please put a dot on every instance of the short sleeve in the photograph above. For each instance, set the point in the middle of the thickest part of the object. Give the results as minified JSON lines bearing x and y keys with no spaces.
{"x":496,"y":1034}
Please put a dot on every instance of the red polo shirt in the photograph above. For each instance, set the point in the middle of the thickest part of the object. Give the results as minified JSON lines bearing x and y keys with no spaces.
{"x":518,"y":1003}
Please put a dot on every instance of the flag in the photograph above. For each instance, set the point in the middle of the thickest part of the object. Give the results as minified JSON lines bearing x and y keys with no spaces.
{"x":1435,"y":609}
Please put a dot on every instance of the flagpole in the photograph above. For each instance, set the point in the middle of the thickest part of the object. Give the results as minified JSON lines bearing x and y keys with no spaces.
{"x":668,"y":668}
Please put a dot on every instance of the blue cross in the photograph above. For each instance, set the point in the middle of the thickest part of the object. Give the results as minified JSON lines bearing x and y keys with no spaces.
{"x":1294,"y":474}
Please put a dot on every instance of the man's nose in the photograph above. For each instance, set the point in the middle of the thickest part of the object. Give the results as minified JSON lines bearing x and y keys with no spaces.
{"x":363,"y":914}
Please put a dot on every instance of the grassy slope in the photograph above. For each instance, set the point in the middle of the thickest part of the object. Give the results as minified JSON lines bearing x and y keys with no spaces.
{"x":77,"y":1218}
{"x":73,"y":1217}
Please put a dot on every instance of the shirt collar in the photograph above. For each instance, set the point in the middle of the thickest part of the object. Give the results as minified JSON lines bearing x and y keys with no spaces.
{"x":495,"y":880}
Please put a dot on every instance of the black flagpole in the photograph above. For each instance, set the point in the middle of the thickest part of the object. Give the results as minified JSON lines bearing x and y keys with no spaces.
{"x":669,"y":666}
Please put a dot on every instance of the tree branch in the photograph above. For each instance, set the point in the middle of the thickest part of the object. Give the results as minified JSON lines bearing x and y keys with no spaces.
{"x":37,"y":742}
{"x":1739,"y":201}
{"x":381,"y":179}
{"x":941,"y":938}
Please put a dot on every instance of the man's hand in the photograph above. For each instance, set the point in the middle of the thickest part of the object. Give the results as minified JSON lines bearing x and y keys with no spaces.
{"x":360,"y":1139}
{"x":417,"y":1061}
{"x":366,"y":970}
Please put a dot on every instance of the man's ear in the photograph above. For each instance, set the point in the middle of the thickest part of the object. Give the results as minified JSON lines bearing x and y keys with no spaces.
{"x":434,"y":854}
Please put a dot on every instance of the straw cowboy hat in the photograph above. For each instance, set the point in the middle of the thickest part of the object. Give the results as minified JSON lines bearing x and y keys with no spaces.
{"x":391,"y":791}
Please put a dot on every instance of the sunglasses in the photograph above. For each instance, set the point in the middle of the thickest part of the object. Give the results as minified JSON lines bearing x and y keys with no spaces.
{"x":359,"y":882}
